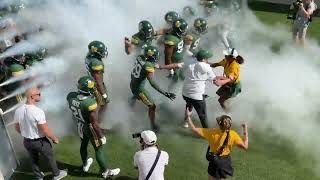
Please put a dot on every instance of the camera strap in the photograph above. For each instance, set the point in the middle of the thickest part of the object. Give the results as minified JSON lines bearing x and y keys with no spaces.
{"x":220,"y":149}
{"x":154,"y":165}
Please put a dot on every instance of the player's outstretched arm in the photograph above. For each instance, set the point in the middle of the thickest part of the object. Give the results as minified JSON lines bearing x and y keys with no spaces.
{"x":154,"y":84}
{"x":170,"y":66}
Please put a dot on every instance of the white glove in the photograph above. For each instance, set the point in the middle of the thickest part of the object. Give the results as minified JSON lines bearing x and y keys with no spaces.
{"x":105,"y":96}
{"x":180,"y":65}
{"x":103,"y":140}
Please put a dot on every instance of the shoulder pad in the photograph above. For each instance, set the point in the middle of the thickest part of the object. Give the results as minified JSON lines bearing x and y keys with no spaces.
{"x":149,"y":67}
{"x":96,"y":65}
{"x":92,"y":107}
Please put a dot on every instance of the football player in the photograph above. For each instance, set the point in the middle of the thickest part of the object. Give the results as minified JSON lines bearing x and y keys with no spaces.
{"x":192,"y":39}
{"x":95,"y":68}
{"x":84,"y":106}
{"x":140,"y":40}
{"x":173,"y":43}
{"x":143,"y":70}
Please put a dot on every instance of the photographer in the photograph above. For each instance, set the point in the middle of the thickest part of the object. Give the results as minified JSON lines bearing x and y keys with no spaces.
{"x":150,"y":161}
{"x":305,"y":9}
{"x":221,"y":141}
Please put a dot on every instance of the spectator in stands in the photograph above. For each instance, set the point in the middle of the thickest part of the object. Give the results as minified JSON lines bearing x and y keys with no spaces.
{"x":32,"y":125}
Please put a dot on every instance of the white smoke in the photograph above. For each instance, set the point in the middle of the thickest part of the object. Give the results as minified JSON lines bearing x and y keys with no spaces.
{"x":280,"y":89}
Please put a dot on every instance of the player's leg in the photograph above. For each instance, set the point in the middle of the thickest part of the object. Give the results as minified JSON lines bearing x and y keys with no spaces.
{"x":96,"y":143}
{"x":223,"y":103}
{"x":174,"y":80}
{"x":148,"y":101}
{"x":86,"y":162}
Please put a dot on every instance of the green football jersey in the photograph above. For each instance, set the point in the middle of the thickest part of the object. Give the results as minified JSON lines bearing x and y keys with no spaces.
{"x":81,"y":107}
{"x":94,"y":64}
{"x":194,"y":37}
{"x":177,"y":42}
{"x":140,"y":71}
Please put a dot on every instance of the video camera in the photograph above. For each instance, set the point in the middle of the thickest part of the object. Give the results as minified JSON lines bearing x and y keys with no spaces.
{"x":136,"y":135}
{"x":292,"y":13}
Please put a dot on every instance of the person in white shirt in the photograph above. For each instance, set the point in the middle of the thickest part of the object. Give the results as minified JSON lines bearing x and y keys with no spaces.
{"x":32,"y":125}
{"x":198,"y":73}
{"x":145,"y":159}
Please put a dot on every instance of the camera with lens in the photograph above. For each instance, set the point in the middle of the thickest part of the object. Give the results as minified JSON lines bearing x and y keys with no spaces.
{"x":292,"y":13}
{"x":136,"y":135}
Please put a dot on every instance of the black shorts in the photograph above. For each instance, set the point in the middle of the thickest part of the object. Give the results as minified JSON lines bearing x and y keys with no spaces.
{"x":221,"y":168}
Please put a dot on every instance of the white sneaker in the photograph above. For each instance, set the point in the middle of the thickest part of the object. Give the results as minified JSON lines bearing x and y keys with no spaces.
{"x":62,"y":174}
{"x":185,"y":125}
{"x":88,"y":164}
{"x":42,"y":176}
{"x":110,"y":172}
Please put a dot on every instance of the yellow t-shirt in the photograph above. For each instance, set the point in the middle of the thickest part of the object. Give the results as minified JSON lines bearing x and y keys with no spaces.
{"x":213,"y":135}
{"x":231,"y":69}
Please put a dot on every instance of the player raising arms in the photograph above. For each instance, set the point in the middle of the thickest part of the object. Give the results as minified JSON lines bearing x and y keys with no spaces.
{"x":140,"y":40}
{"x":143,"y":70}
{"x":84,"y":106}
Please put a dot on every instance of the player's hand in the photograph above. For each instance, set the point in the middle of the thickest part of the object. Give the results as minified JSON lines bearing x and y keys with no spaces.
{"x":103,"y":140}
{"x":126,"y":40}
{"x":180,"y":65}
{"x":244,"y":125}
{"x":157,"y":66}
{"x":55,"y":140}
{"x":171,"y":96}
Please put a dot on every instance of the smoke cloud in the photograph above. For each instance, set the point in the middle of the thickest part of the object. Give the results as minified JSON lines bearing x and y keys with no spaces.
{"x":280,"y":88}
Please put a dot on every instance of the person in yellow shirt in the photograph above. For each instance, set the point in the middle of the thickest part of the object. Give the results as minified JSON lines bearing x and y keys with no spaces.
{"x":221,"y":140}
{"x":230,"y":81}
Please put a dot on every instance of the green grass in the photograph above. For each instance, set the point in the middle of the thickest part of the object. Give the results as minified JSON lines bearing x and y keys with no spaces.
{"x":269,"y":157}
{"x":266,"y":159}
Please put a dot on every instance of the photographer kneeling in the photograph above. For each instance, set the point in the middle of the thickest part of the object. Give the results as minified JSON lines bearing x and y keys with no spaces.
{"x":221,"y":141}
{"x":150,"y":161}
{"x":305,"y":9}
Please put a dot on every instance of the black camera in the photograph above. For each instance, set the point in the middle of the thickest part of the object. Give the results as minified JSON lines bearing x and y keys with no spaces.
{"x":136,"y":135}
{"x":292,"y":13}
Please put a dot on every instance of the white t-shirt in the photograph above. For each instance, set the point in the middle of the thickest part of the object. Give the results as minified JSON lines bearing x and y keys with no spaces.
{"x":29,"y":116}
{"x":144,"y":160}
{"x":197,"y":74}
